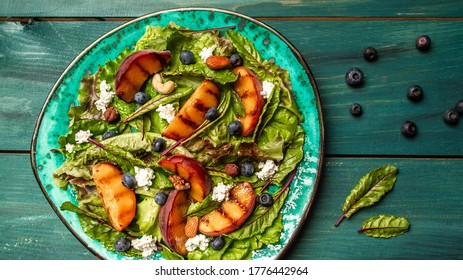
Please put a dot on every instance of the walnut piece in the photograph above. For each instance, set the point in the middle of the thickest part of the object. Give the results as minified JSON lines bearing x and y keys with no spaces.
{"x":179,"y":183}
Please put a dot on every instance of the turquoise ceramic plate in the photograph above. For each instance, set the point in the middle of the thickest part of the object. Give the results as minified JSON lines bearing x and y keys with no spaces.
{"x":53,"y":120}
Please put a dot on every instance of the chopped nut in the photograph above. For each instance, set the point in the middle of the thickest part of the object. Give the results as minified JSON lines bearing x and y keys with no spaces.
{"x":217,"y":62}
{"x":232,"y":169}
{"x":191,"y":227}
{"x":162,"y":88}
{"x":111,"y":115}
{"x":179,"y":183}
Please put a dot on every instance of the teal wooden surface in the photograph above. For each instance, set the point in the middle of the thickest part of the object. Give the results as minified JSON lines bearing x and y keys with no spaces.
{"x":330,"y":35}
{"x":255,"y":8}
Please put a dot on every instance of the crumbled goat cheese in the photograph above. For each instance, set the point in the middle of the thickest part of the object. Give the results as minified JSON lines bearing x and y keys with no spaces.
{"x":106,"y":96}
{"x":146,"y":244}
{"x":199,"y":241}
{"x":166,"y":112}
{"x":82,"y":136}
{"x":267,"y":169}
{"x":220,"y":192}
{"x":144,"y":176}
{"x":69,"y":147}
{"x":267,"y":88}
{"x":206,"y":52}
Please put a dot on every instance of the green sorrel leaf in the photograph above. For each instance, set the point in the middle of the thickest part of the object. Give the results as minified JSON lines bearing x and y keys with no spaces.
{"x":385,"y":226}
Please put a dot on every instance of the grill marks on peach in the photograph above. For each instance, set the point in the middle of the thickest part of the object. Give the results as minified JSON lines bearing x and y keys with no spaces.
{"x":193,"y":112}
{"x":231,"y":214}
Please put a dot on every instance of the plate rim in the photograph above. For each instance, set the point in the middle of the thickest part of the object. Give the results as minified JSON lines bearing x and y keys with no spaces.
{"x":82,"y":53}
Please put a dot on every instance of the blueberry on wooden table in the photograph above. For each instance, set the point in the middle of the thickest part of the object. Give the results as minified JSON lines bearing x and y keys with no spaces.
{"x":451,"y":116}
{"x":122,"y":244}
{"x":459,"y":107}
{"x":415,"y":93}
{"x":423,"y":43}
{"x":354,"y":77}
{"x":409,"y":129}
{"x":370,"y":54}
{"x":355,"y":109}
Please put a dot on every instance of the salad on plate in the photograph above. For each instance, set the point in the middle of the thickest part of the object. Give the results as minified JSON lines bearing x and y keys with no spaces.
{"x":183,"y":147}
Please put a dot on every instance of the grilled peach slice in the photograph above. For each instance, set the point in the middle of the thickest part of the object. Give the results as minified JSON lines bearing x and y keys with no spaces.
{"x":135,"y":69}
{"x":231,"y":214}
{"x":172,"y":221}
{"x":190,"y":170}
{"x":118,"y":201}
{"x":248,"y":87}
{"x":193,"y":112}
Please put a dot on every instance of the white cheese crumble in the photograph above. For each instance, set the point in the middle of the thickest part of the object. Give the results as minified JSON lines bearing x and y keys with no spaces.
{"x":267,"y":169}
{"x":166,"y":112}
{"x":220,"y":192}
{"x":106,"y":96}
{"x":206,"y":52}
{"x":267,"y":88}
{"x":69,"y":147}
{"x":144,"y":177}
{"x":82,"y":136}
{"x":146,"y":244}
{"x":199,"y":241}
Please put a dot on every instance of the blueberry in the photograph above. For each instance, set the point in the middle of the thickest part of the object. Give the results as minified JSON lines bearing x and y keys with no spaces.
{"x":451,"y":116}
{"x":235,"y":128}
{"x":423,"y":43}
{"x":122,"y":244}
{"x":355,"y":77}
{"x":158,"y":145}
{"x":160,"y":198}
{"x":128,"y":180}
{"x":409,"y":129}
{"x":217,"y":242}
{"x":265,"y":199}
{"x":356,"y":109}
{"x":141,"y":97}
{"x":247,"y":169}
{"x":212,"y":113}
{"x":415,"y":93}
{"x":109,"y":134}
{"x":236,"y":60}
{"x":370,"y":54}
{"x":187,"y":57}
{"x":459,"y":107}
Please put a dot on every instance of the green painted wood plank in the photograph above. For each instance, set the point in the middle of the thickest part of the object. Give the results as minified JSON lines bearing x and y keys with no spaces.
{"x":33,"y":57}
{"x":427,"y":192}
{"x":30,"y":229}
{"x":255,"y":8}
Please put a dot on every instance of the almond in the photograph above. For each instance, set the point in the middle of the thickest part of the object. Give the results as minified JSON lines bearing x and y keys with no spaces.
{"x":217,"y":62}
{"x":191,"y":227}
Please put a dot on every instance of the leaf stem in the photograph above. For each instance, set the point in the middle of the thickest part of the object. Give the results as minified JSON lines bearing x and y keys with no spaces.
{"x":183,"y":139}
{"x":94,"y":142}
{"x":377,"y":228}
{"x":340,"y":220}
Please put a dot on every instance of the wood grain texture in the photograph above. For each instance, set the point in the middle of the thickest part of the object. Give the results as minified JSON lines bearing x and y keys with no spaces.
{"x":255,"y":8}
{"x":33,"y":57}
{"x":428,"y":196}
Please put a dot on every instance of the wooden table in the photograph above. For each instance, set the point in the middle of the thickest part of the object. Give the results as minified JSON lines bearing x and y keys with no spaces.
{"x":38,"y":39}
